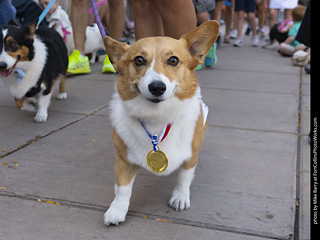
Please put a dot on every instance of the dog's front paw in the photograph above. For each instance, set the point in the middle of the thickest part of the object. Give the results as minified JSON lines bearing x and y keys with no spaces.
{"x":114,"y":216}
{"x":180,"y":200}
{"x":41,"y":116}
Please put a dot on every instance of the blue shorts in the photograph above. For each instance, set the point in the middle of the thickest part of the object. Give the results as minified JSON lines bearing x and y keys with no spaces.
{"x":245,"y":5}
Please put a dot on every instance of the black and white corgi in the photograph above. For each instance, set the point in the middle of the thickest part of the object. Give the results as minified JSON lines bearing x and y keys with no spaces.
{"x":32,"y":60}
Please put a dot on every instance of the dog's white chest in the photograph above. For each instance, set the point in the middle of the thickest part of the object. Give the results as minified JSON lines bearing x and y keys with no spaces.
{"x":176,"y":145}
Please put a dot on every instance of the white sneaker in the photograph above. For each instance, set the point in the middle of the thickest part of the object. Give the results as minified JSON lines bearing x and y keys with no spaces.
{"x":238,"y":42}
{"x":274,"y":45}
{"x":255,"y":41}
{"x":233,"y":34}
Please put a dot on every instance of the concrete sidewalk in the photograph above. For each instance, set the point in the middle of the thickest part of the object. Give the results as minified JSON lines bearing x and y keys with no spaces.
{"x":252,"y":180}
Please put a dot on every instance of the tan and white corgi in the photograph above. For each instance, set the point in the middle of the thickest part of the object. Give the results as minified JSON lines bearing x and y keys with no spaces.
{"x":158,"y":117}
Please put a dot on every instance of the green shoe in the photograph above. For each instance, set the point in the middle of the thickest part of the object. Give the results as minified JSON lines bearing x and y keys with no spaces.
{"x":211,"y":58}
{"x":78,"y":64}
{"x":107,"y":66}
{"x":199,"y":67}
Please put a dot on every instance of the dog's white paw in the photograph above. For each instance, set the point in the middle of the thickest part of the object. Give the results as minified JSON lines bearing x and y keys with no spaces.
{"x":41,"y":116}
{"x":29,"y":107}
{"x":180,"y":200}
{"x":114,"y":216}
{"x":61,"y":96}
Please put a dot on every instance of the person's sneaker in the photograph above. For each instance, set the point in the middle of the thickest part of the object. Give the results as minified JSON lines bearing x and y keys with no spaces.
{"x":233,"y":34}
{"x":238,"y":42}
{"x":199,"y":67}
{"x":78,"y":64}
{"x":274,"y":45}
{"x":107,"y":66}
{"x":261,"y":33}
{"x":211,"y":58}
{"x":248,"y":31}
{"x":255,"y":41}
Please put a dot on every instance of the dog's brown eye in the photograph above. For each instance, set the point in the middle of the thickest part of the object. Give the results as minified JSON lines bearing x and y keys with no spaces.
{"x":173,"y":61}
{"x":139,"y":61}
{"x":13,"y":46}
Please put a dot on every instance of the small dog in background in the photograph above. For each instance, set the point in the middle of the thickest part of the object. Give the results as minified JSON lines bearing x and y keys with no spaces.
{"x":158,"y":117}
{"x":59,"y":20}
{"x":32,"y":61}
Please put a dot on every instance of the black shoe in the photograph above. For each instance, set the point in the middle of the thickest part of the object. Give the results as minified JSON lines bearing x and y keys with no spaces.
{"x":307,"y":69}
{"x":248,"y":31}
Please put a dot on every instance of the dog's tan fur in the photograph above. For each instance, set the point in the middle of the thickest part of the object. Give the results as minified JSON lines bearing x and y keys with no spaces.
{"x":191,"y":50}
{"x":124,"y":170}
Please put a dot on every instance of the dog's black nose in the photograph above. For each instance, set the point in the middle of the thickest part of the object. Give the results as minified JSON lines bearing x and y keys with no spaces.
{"x":157,"y":88}
{"x":3,"y":65}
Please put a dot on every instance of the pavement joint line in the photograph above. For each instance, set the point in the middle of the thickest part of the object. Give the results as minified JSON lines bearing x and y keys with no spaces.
{"x":94,"y":79}
{"x":252,"y":71}
{"x":251,"y":91}
{"x":39,"y":137}
{"x":254,"y":130}
{"x":147,"y":216}
{"x":298,"y":160}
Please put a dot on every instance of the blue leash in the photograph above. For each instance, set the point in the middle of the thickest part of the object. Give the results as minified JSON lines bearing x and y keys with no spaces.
{"x":45,"y":11}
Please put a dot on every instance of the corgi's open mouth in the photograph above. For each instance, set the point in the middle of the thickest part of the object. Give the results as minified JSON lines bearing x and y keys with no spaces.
{"x":7,"y":72}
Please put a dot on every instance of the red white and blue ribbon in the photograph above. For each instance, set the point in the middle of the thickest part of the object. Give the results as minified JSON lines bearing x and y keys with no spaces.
{"x":205,"y":111}
{"x":154,"y":138}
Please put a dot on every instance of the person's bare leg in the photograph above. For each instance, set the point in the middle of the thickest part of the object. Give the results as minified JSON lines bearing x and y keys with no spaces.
{"x":261,"y":13}
{"x":178,"y":17}
{"x":217,"y":11}
{"x":251,"y":18}
{"x":272,"y":19}
{"x":116,"y":18}
{"x":79,"y":20}
{"x":240,"y":23}
{"x":102,"y":10}
{"x":287,"y":14}
{"x":147,"y":19}
{"x":228,"y":18}
{"x":202,"y":17}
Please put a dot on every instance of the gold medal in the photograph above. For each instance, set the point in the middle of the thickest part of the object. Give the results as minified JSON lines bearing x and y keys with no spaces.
{"x":157,"y":161}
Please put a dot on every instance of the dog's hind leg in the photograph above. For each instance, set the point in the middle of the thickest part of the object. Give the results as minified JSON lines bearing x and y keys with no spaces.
{"x":93,"y":57}
{"x":125,"y":173}
{"x":23,"y":104}
{"x":62,"y":89}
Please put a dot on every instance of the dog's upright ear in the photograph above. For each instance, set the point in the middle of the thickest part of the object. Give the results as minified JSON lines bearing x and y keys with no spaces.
{"x":29,"y":30}
{"x":115,"y":49}
{"x":200,"y":40}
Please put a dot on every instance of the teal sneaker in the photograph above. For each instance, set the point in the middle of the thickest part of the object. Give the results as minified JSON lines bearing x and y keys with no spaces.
{"x":199,"y":67}
{"x":211,"y":58}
